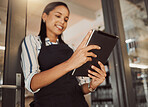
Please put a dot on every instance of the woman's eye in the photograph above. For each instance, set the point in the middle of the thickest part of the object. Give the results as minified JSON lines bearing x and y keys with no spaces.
{"x":66,"y":20}
{"x":57,"y":16}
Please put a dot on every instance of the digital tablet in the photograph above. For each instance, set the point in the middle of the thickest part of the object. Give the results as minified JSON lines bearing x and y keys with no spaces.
{"x":106,"y":42}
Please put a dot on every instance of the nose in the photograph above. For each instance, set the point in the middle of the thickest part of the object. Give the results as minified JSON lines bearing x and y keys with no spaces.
{"x":62,"y":20}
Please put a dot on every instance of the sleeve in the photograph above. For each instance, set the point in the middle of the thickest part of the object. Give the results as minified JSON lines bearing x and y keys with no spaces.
{"x":29,"y":60}
{"x":82,"y":80}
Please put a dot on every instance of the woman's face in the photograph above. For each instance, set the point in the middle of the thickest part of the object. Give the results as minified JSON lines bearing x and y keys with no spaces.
{"x":56,"y":20}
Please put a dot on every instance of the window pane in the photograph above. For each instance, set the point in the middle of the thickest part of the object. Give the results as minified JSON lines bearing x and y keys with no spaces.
{"x":135,"y":22}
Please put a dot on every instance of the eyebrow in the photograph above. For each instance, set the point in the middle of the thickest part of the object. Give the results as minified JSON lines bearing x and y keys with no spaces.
{"x":61,"y":14}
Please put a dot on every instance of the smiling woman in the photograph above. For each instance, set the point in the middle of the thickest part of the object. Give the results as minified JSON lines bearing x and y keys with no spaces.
{"x":48,"y":62}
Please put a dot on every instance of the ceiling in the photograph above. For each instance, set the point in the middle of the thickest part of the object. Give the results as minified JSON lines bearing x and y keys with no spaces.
{"x":90,"y":4}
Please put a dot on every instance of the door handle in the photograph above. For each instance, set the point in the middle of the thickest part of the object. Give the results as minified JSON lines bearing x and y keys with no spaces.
{"x":18,"y":83}
{"x":9,"y":86}
{"x":17,"y":87}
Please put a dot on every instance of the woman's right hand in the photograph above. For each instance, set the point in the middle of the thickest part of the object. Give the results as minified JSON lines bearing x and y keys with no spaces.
{"x":82,"y":54}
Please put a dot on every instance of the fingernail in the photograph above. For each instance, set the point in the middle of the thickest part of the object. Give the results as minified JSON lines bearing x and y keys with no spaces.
{"x":92,"y":66}
{"x":99,"y":62}
{"x":99,"y":47}
{"x":89,"y":71}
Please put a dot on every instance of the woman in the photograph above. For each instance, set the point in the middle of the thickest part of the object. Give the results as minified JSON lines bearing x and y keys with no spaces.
{"x":47,"y":63}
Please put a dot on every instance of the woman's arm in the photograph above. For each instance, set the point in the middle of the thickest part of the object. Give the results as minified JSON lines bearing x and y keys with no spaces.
{"x":29,"y":60}
{"x":85,"y":88}
{"x":45,"y":78}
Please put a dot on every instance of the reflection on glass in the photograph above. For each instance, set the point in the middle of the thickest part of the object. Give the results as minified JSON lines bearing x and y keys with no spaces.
{"x":3,"y":18}
{"x":135,"y":22}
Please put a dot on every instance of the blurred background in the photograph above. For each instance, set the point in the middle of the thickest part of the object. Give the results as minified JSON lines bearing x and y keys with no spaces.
{"x":126,"y":84}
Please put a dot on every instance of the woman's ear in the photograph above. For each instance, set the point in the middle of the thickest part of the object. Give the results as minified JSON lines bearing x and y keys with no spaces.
{"x":44,"y":17}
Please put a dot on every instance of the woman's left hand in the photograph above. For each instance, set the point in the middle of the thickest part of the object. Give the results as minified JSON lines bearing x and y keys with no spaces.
{"x":97,"y":77}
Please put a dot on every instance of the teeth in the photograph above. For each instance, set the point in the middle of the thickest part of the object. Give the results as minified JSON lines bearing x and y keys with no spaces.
{"x":60,"y":27}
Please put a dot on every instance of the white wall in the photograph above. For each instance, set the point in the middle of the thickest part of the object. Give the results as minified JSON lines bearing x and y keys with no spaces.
{"x":75,"y":33}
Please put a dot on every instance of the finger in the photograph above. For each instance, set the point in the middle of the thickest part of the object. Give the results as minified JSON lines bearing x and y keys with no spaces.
{"x":91,"y":54}
{"x":94,"y":74}
{"x":102,"y":66}
{"x":99,"y":70}
{"x":84,"y":41}
{"x":90,"y":47}
{"x":88,"y":59}
{"x":93,"y":77}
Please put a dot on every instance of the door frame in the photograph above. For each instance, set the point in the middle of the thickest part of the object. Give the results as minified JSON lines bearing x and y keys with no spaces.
{"x":15,"y":32}
{"x":123,"y":95}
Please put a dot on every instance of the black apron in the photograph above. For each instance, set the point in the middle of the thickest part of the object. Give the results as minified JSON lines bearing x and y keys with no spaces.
{"x":65,"y":91}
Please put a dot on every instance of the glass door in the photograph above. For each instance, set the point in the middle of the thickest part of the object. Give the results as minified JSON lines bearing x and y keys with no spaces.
{"x":3,"y":20}
{"x":135,"y":21}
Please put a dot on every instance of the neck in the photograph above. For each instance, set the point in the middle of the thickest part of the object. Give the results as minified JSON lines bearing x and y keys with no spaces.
{"x":52,"y":37}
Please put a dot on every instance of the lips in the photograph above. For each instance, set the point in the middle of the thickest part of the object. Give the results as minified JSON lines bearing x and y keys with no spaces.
{"x":59,"y":27}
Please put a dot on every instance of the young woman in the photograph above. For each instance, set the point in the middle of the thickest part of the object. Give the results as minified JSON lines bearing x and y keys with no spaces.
{"x":47,"y":63}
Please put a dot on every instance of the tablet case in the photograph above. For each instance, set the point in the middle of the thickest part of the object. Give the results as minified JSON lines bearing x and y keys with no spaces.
{"x":106,"y":42}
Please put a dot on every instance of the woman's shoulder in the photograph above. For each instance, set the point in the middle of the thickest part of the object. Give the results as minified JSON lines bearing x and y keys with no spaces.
{"x":32,"y":38}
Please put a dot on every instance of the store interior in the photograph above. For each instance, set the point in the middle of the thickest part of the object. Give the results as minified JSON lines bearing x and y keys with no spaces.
{"x":86,"y":15}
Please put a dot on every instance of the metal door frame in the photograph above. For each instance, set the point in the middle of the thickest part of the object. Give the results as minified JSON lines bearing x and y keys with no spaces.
{"x":15,"y":32}
{"x":123,"y":95}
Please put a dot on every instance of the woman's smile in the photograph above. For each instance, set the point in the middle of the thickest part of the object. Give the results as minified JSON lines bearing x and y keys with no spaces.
{"x":59,"y":27}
